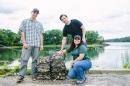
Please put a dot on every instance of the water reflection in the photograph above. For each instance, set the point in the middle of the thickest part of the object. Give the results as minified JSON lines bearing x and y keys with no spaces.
{"x":113,"y":56}
{"x":93,"y":52}
{"x":12,"y":54}
{"x":8,"y":54}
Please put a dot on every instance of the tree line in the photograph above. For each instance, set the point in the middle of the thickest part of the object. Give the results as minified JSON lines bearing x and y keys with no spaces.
{"x":9,"y":38}
{"x":124,"y":39}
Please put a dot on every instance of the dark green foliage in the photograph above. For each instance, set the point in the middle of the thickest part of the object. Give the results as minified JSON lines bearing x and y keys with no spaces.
{"x":93,"y":37}
{"x":9,"y":38}
{"x":53,"y":37}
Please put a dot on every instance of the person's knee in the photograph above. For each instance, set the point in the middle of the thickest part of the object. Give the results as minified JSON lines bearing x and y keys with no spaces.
{"x":71,"y":73}
{"x":24,"y":62}
{"x":70,"y":76}
{"x":88,"y":66}
{"x":76,"y":65}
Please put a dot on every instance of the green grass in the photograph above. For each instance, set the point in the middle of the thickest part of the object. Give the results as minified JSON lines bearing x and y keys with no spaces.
{"x":54,"y":45}
{"x":95,"y":45}
{"x":90,"y":45}
{"x":6,"y":71}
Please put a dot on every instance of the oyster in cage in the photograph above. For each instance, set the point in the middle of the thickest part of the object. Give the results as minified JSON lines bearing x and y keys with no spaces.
{"x":52,"y":67}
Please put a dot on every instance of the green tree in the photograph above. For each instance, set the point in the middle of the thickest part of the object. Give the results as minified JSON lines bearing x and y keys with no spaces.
{"x":53,"y":36}
{"x":93,"y":37}
{"x":9,"y":38}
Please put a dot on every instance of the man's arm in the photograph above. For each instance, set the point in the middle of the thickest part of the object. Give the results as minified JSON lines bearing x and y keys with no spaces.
{"x":41,"y":41}
{"x":41,"y":36}
{"x":84,"y":32}
{"x":79,"y":58}
{"x":64,"y":39}
{"x":23,"y":39}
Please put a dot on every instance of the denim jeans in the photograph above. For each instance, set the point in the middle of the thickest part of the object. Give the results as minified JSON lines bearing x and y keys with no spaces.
{"x":78,"y":69}
{"x":33,"y":52}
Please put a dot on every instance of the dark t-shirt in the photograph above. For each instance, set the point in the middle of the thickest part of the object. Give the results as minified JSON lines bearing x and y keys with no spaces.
{"x":74,"y":28}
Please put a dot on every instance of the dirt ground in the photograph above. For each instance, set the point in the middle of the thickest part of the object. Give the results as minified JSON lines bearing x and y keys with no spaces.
{"x":93,"y":80}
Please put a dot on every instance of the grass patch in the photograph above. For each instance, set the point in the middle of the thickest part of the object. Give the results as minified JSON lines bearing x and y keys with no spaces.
{"x":89,"y":45}
{"x":6,"y":71}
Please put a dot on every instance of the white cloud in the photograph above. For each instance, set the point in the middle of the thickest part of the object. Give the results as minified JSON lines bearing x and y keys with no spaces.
{"x":109,"y":17}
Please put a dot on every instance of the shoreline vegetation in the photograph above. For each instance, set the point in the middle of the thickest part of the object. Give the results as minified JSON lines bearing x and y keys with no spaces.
{"x":89,"y":45}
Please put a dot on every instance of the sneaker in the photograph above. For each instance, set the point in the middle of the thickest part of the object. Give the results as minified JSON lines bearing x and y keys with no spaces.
{"x":20,"y":79}
{"x":69,"y":79}
{"x":81,"y":81}
{"x":34,"y":78}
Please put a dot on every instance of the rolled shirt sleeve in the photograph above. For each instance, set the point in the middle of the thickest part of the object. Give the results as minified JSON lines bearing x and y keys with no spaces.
{"x":42,"y":29}
{"x":82,"y":49}
{"x":22,"y":27}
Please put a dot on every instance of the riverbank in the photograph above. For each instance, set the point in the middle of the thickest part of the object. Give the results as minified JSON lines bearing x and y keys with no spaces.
{"x":89,"y":45}
{"x":93,"y":80}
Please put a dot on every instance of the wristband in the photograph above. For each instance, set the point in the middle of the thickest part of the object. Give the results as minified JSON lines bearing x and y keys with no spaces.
{"x":23,"y":42}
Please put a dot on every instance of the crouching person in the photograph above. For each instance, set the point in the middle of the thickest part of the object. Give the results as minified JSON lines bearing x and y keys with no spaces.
{"x":81,"y":62}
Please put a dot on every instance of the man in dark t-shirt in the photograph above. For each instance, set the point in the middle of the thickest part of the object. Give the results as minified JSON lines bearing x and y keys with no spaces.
{"x":72,"y":27}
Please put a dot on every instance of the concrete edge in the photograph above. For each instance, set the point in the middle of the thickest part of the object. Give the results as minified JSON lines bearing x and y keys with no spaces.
{"x":106,"y":71}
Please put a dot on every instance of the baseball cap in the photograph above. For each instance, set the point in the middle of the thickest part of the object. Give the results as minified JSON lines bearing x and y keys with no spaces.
{"x":77,"y":37}
{"x":35,"y":10}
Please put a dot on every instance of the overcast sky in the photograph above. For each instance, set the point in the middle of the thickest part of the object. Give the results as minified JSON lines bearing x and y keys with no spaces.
{"x":111,"y":18}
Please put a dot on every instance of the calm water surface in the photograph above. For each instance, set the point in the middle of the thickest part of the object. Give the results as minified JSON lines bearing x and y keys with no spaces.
{"x":114,"y":56}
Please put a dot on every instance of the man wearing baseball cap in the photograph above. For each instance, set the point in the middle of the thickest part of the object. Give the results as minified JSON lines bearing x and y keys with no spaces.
{"x":32,"y":40}
{"x":35,"y":10}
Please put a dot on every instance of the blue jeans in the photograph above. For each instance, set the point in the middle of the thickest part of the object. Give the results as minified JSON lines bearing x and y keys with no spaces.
{"x":78,"y":69}
{"x":33,"y":52}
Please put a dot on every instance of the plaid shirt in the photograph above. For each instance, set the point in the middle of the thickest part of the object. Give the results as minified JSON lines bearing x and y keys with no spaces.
{"x":33,"y":31}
